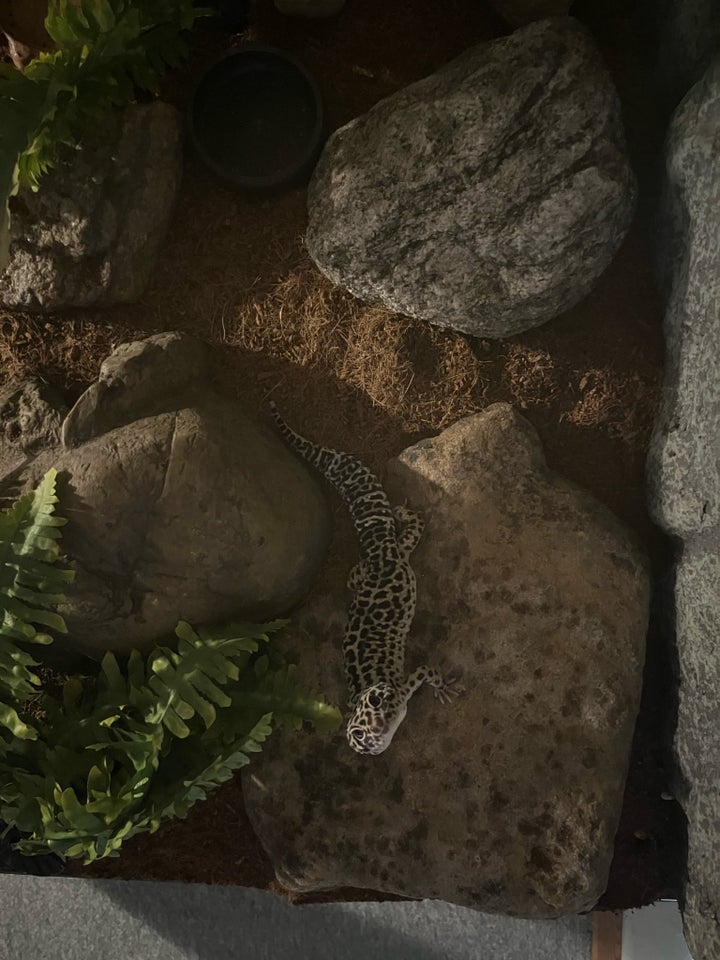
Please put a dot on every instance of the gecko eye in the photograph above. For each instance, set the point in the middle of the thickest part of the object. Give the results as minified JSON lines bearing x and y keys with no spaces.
{"x":375,"y":701}
{"x":359,"y":734}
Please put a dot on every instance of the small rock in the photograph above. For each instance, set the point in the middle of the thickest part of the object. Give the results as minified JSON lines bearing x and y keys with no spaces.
{"x":488,"y":197}
{"x":507,"y":800}
{"x":89,"y":236}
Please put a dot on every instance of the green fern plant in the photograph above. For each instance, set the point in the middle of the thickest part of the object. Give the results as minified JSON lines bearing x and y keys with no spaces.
{"x":30,"y":586}
{"x":108,"y":49}
{"x":144,"y":740}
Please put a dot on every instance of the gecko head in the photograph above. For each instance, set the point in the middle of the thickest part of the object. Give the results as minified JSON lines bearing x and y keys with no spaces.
{"x":378,"y":713}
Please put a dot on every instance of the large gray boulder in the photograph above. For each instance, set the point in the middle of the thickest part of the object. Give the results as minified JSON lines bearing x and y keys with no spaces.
{"x":89,"y":236}
{"x":488,"y":197}
{"x":508,"y":799}
{"x":683,"y":473}
{"x":181,"y":505}
{"x":684,"y":480}
{"x":697,"y":741}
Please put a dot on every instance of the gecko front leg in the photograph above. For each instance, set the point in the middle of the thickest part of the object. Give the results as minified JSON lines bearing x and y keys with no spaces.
{"x":444,"y":689}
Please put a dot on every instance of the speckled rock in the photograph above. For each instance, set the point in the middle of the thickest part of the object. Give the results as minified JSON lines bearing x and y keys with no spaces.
{"x":684,"y":479}
{"x":89,"y":236}
{"x":488,"y":197}
{"x":697,"y":740}
{"x":197,"y":512}
{"x":683,"y":474}
{"x":507,"y":800}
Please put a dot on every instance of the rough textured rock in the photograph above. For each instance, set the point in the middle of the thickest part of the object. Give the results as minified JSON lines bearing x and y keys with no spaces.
{"x":199,"y":513}
{"x":90,"y":234}
{"x":508,"y":800}
{"x":31,"y":415}
{"x":488,"y":197}
{"x":519,"y":12}
{"x":683,"y":474}
{"x":684,"y":480}
{"x":310,"y":8}
{"x":697,"y":740}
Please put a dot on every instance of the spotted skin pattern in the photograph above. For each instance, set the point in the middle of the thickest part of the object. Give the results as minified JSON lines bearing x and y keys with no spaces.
{"x":383,"y":604}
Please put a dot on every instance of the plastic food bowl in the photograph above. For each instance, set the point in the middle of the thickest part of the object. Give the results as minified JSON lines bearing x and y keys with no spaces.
{"x":256,"y":119}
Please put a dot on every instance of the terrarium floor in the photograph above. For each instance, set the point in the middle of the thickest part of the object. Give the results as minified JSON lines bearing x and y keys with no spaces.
{"x":233,"y":271}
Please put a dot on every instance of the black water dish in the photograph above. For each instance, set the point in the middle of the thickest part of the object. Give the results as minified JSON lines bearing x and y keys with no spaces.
{"x":256,"y":119}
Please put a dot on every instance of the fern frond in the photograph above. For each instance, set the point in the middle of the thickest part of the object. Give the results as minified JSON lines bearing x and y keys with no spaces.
{"x":108,"y":48}
{"x":175,"y":685}
{"x":30,"y":586}
{"x":146,"y":739}
{"x":278,"y":691}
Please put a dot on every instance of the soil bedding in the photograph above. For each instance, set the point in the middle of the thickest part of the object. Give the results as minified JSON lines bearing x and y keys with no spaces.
{"x":233,"y":271}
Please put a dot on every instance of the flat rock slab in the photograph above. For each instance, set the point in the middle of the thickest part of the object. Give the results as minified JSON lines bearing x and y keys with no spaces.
{"x":488,"y":197}
{"x":507,"y":800}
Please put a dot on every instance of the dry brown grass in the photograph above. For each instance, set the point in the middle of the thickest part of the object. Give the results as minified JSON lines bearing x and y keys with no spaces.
{"x":424,"y":376}
{"x":623,"y":405}
{"x":67,"y":352}
{"x":531,"y":375}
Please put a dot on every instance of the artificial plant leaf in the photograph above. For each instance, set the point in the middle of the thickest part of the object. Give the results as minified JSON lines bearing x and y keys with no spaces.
{"x":151,"y":737}
{"x":27,"y":555}
{"x":10,"y":720}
